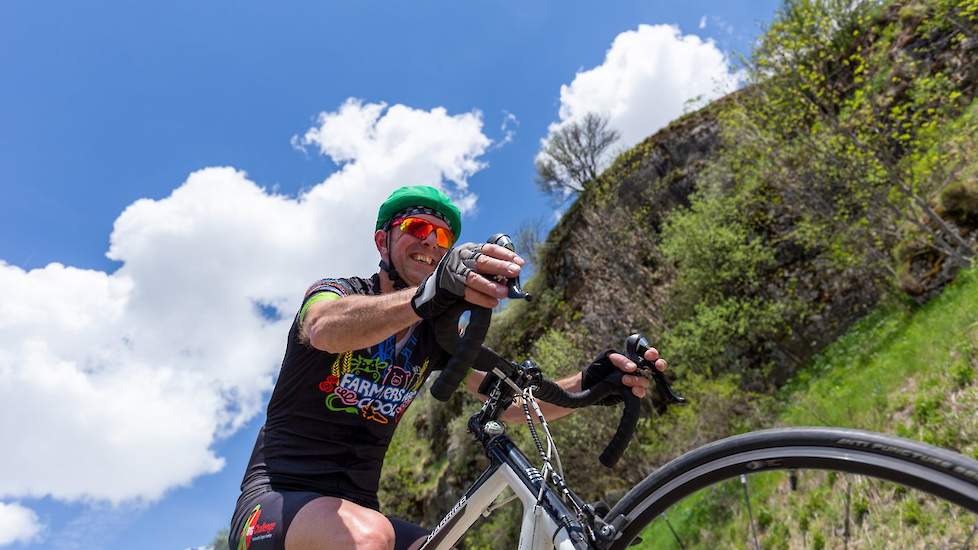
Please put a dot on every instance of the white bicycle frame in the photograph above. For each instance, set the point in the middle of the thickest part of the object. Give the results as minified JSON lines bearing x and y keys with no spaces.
{"x":547,"y":522}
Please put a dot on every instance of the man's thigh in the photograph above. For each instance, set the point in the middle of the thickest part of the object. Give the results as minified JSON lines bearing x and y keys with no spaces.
{"x":330,"y":523}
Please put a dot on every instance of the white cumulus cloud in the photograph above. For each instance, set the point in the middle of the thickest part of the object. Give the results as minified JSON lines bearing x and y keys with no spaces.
{"x":646,"y":78}
{"x":134,"y":374}
{"x":17,"y":524}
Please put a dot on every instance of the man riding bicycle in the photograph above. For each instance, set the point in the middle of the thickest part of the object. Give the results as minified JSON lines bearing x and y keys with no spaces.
{"x":357,"y":354}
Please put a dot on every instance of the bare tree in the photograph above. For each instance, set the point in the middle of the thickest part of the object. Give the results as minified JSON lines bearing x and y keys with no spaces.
{"x":529,"y":239}
{"x":572,"y":156}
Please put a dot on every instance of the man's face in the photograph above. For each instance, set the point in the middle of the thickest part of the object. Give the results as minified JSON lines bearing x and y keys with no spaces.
{"x":415,"y":258}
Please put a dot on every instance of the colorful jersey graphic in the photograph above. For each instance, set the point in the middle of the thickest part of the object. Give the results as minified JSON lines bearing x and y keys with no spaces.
{"x":372,"y":387}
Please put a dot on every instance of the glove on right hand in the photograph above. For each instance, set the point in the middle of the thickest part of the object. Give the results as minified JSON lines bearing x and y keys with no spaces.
{"x":446,"y":285}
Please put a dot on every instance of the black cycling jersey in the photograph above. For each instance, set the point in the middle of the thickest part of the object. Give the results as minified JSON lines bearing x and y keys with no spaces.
{"x":331,"y":416}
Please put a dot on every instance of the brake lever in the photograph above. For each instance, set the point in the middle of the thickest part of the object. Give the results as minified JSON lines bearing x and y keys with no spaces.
{"x":512,"y":284}
{"x":635,"y":347}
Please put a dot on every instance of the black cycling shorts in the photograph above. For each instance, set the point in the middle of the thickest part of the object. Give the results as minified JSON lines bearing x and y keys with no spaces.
{"x":263,"y":516}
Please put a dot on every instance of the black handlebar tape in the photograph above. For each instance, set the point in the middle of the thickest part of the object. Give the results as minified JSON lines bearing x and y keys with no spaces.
{"x":552,"y":393}
{"x":626,"y":430}
{"x":464,"y":349}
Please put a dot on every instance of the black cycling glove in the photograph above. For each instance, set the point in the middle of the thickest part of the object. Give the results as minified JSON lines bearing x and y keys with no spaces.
{"x":446,"y":285}
{"x":598,"y":370}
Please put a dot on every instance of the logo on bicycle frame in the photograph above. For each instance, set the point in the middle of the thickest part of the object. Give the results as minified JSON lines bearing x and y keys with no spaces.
{"x":459,"y":506}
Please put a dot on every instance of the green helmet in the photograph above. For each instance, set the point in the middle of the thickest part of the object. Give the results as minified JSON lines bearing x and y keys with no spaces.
{"x":420,"y":195}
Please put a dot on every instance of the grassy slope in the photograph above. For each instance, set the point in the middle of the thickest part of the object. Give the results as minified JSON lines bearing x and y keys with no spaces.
{"x":910,"y":372}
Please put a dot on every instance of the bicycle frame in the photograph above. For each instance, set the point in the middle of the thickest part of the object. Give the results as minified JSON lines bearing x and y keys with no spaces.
{"x":549,"y":525}
{"x":547,"y":521}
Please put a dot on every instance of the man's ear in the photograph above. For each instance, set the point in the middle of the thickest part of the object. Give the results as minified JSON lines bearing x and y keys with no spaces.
{"x":380,"y":241}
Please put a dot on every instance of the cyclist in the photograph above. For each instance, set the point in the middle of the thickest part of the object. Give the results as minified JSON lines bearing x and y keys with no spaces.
{"x":357,"y":355}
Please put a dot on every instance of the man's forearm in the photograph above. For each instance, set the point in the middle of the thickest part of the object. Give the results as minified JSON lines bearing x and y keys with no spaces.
{"x":550,"y":411}
{"x":355,"y":322}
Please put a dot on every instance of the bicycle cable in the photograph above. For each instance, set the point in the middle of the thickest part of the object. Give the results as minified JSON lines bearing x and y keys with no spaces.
{"x":551,"y":456}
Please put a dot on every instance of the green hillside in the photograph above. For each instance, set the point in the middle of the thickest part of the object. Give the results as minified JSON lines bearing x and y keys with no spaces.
{"x":910,"y":371}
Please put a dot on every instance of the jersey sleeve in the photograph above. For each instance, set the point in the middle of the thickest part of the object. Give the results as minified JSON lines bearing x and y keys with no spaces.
{"x":323,"y":290}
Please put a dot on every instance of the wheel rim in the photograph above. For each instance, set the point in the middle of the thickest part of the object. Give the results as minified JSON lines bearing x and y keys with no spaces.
{"x":889,"y":468}
{"x":853,"y":464}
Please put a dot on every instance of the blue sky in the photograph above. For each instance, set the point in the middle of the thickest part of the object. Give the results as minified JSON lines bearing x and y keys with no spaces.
{"x":316,"y":109}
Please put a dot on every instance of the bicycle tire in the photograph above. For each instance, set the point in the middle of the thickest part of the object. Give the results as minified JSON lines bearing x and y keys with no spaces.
{"x":942,"y":473}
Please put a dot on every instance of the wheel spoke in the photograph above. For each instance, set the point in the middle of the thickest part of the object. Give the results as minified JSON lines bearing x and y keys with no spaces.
{"x":967,"y":543}
{"x":845,"y":529}
{"x":750,"y":515}
{"x":675,"y":535}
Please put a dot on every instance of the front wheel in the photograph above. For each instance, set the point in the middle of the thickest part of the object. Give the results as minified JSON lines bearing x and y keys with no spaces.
{"x":804,"y":488}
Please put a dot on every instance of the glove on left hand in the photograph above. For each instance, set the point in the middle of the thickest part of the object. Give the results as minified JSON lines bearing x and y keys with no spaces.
{"x":598,"y":370}
{"x":446,"y":285}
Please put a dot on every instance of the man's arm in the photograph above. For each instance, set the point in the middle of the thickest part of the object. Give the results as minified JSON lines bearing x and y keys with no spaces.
{"x":357,"y":321}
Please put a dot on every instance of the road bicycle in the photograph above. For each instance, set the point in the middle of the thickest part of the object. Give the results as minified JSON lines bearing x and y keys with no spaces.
{"x":555,"y":517}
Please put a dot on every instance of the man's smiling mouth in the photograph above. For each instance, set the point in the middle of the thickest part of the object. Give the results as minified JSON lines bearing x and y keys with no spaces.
{"x":421,"y":258}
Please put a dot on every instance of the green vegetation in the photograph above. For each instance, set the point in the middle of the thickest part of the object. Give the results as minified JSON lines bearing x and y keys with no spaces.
{"x":840,"y":150}
{"x":897,"y":361}
{"x":907,"y":370}
{"x":411,"y":468}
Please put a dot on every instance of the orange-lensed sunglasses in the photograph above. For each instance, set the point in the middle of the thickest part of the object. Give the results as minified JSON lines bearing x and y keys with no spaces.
{"x":419,"y":228}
